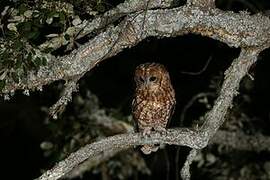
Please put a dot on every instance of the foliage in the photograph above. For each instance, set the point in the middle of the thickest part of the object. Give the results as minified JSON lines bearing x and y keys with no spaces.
{"x":26,"y":25}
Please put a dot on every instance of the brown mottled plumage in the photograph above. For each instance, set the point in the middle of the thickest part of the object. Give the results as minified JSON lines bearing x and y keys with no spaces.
{"x":154,"y":100}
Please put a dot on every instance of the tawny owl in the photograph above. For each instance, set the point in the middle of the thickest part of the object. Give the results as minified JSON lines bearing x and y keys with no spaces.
{"x":154,"y":100}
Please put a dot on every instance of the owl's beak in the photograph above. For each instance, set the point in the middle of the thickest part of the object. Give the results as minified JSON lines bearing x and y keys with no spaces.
{"x":146,"y":82}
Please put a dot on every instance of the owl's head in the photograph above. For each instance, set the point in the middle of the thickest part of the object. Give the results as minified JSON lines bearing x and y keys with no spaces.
{"x":151,"y":76}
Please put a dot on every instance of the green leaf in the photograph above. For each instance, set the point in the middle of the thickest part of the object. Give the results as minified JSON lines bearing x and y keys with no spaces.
{"x":52,"y":14}
{"x":62,"y":17}
{"x":38,"y":22}
{"x":22,"y":8}
{"x":11,"y":34}
{"x":2,"y":84}
{"x":38,"y":61}
{"x":32,"y":35}
{"x":18,"y":62}
{"x":36,"y":13}
{"x":100,"y":7}
{"x":29,"y":57}
{"x":4,"y":56}
{"x":67,"y":37}
{"x":15,"y":77}
{"x":33,"y":51}
{"x":18,"y":45}
{"x":48,"y":50}
{"x":44,"y":61}
{"x":24,"y":27}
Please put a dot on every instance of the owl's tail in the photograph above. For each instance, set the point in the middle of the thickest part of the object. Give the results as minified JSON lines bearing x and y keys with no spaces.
{"x":147,"y":149}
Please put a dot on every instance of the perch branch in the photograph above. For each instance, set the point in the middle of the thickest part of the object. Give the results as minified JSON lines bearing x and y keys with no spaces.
{"x":235,"y":140}
{"x":91,"y":163}
{"x":121,"y":142}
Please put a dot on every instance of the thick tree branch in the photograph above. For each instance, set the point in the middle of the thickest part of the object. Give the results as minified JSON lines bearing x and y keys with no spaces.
{"x":100,"y":22}
{"x":237,"y":30}
{"x":91,"y":163}
{"x":235,"y":140}
{"x":121,"y":142}
{"x":202,"y":3}
{"x":233,"y":76}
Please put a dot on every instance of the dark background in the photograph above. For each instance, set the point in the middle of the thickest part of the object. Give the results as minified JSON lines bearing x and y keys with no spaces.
{"x":22,"y":126}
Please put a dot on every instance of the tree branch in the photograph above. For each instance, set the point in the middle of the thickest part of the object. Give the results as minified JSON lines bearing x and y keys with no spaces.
{"x":100,"y":22}
{"x":185,"y":172}
{"x":202,"y":3}
{"x":59,"y":106}
{"x":235,"y":140}
{"x":185,"y":137}
{"x":233,"y":76}
{"x":237,"y":30}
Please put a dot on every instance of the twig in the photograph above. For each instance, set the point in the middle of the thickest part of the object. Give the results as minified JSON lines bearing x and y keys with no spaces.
{"x":59,"y":106}
{"x":200,"y":71}
{"x":185,"y":172}
{"x":191,"y":102}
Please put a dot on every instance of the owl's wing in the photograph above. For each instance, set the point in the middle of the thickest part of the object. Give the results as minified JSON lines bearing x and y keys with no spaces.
{"x":171,"y":114}
{"x":134,"y":105}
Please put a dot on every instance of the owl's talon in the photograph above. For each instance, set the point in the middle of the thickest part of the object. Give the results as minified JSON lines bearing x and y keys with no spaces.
{"x":147,"y":131}
{"x":161,"y":130}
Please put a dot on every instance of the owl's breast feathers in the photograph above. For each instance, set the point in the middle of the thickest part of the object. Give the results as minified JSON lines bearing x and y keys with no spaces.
{"x":153,"y":107}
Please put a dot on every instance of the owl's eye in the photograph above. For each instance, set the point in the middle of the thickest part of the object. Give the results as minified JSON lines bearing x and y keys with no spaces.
{"x":141,"y":79}
{"x":152,"y":79}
